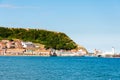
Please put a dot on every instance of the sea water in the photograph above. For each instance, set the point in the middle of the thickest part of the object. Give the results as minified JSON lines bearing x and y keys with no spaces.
{"x":59,"y":68}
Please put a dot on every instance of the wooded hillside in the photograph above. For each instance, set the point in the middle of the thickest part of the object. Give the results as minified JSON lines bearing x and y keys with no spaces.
{"x":50,"y":39}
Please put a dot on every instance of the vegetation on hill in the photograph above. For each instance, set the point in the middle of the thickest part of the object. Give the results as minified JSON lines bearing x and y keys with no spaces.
{"x":50,"y":39}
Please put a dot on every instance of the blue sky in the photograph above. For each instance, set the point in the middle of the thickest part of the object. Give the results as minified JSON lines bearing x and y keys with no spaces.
{"x":91,"y":23}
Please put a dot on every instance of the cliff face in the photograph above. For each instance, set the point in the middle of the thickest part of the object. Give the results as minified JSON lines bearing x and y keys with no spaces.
{"x":50,"y":39}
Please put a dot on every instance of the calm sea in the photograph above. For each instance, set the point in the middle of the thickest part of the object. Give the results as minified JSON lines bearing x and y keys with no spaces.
{"x":59,"y":68}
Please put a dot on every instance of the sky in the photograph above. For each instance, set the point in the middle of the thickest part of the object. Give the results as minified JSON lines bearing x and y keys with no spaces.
{"x":94,"y":24}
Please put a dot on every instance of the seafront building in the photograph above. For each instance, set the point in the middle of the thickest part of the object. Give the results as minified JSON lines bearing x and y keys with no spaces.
{"x":18,"y":47}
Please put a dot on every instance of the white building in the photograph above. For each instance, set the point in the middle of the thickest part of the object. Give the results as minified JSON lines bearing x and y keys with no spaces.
{"x":27,"y":45}
{"x":104,"y":54}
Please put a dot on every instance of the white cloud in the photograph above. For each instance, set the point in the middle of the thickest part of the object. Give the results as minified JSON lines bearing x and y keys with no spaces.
{"x":7,"y":6}
{"x":13,"y":6}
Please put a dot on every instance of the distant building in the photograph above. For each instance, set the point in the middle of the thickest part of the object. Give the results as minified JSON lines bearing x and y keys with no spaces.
{"x":2,"y":45}
{"x":15,"y":51}
{"x":10,"y":44}
{"x":28,"y":45}
{"x":5,"y":41}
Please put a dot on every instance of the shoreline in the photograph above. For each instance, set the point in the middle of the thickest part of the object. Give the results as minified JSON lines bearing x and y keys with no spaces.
{"x":53,"y":56}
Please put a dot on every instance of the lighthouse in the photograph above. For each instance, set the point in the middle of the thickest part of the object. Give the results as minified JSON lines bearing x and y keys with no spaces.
{"x":113,"y":50}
